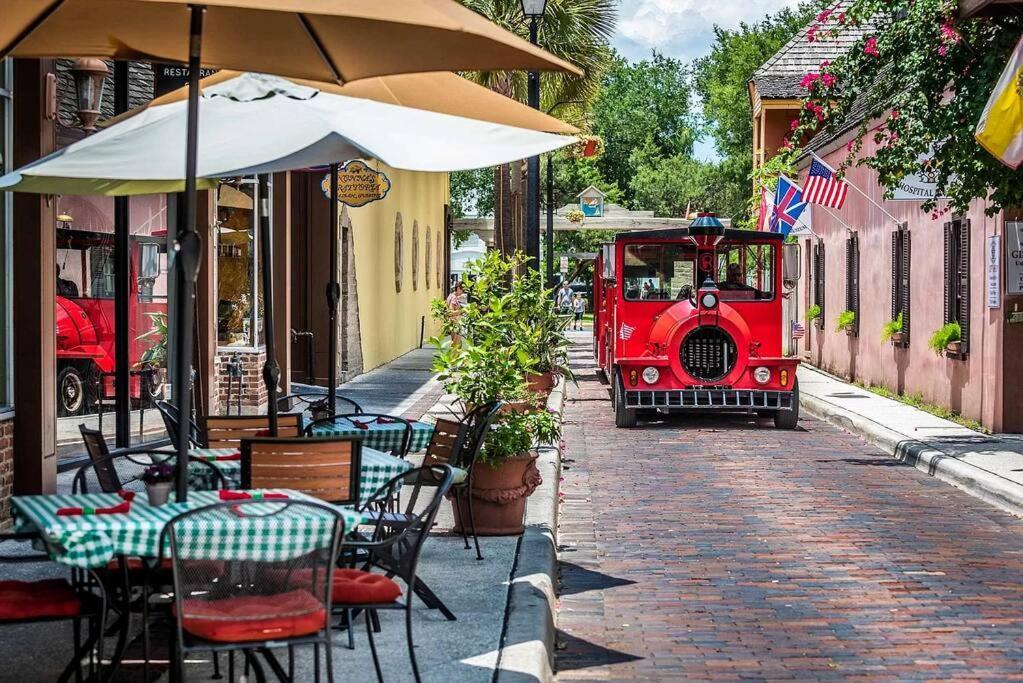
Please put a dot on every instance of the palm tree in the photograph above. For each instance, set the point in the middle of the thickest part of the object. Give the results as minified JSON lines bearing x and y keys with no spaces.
{"x":576,"y":30}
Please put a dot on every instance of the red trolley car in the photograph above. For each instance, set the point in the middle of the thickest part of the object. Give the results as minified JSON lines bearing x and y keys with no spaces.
{"x":691,"y":318}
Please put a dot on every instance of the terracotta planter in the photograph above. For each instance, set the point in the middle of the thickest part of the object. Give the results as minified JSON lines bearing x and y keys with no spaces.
{"x":499,"y":496}
{"x":898,"y":338}
{"x":954,"y":347}
{"x":541,"y":386}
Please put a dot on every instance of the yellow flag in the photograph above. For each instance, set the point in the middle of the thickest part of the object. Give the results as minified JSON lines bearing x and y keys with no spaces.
{"x":1000,"y":130}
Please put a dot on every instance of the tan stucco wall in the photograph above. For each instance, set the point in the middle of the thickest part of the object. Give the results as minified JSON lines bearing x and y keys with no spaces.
{"x":390,"y":321}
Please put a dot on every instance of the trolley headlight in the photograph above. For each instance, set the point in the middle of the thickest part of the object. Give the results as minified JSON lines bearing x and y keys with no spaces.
{"x":762,"y":375}
{"x":709,"y":300}
{"x":651,"y":375}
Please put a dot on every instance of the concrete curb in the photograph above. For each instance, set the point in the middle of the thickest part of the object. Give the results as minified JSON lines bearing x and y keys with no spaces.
{"x":527,"y":644}
{"x":978,"y":482}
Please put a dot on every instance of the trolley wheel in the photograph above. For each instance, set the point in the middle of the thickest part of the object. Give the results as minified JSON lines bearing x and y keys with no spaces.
{"x":788,"y":419}
{"x":602,"y":376}
{"x":624,"y":417}
{"x":72,"y":392}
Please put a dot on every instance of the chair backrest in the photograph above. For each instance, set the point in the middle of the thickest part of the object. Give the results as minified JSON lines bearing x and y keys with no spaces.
{"x":328,"y":469}
{"x":473,"y":433}
{"x":271,"y":582}
{"x":100,"y":460}
{"x":169,"y":413}
{"x":227,"y":431}
{"x":441,"y":449}
{"x":302,"y":401}
{"x":396,"y":547}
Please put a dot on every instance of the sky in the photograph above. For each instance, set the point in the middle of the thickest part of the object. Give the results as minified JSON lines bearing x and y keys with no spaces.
{"x":683,"y":29}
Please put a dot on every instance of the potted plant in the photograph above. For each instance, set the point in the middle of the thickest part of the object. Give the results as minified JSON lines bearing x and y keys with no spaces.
{"x":948,"y":337}
{"x":159,"y":481}
{"x":507,"y":336}
{"x":845,"y":321}
{"x":813,"y":314}
{"x":892,"y":330}
{"x":540,"y":331}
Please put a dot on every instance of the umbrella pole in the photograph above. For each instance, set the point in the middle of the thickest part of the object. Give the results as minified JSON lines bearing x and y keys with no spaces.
{"x":333,"y":297}
{"x":271,"y":370}
{"x":188,"y":249}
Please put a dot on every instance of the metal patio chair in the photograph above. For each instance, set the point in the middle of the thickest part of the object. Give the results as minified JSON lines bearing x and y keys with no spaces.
{"x":314,"y":404}
{"x":169,"y":414}
{"x":401,"y":446}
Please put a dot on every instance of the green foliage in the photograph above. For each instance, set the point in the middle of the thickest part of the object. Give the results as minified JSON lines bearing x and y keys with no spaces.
{"x":156,"y":354}
{"x":573,"y":174}
{"x":472,"y":193}
{"x":943,"y":336}
{"x":581,"y":241}
{"x":891,"y":327}
{"x":927,"y":74}
{"x":845,"y":320}
{"x":918,"y":401}
{"x":671,"y":186}
{"x":515,"y":433}
{"x":641,"y":104}
{"x":508,"y":330}
{"x":813,"y":313}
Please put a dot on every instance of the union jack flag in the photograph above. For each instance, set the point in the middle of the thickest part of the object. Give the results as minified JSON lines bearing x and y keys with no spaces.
{"x":798,"y":331}
{"x":625,"y":332}
{"x":788,"y":205}
{"x":823,"y":188}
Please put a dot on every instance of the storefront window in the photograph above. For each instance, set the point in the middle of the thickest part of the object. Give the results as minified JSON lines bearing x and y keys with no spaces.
{"x":239,"y":298}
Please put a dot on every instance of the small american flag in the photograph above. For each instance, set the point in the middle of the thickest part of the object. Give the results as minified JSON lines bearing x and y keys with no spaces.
{"x":626,"y":332}
{"x":822,"y":187}
{"x":798,"y":331}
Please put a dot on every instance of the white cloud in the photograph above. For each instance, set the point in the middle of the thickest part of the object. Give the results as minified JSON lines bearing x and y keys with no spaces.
{"x":683,"y":28}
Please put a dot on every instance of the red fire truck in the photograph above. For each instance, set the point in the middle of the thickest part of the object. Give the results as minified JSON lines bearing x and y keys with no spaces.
{"x":691,"y":319}
{"x":85,"y":318}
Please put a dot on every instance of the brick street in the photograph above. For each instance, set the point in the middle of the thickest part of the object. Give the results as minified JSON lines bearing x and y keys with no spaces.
{"x":718,"y":548}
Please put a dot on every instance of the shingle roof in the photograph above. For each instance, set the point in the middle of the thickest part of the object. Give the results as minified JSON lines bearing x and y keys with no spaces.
{"x":865,"y":106}
{"x":779,"y":76}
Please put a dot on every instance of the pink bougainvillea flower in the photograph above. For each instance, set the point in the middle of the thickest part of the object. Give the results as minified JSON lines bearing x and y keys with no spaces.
{"x":949,"y":34}
{"x":895,"y":113}
{"x":849,"y":145}
{"x":870,"y":48}
{"x":808,"y":80}
{"x":823,"y":16}
{"x":829,"y":80}
{"x":811,"y":33}
{"x":794,"y":124}
{"x":841,"y":18}
{"x":943,"y":50}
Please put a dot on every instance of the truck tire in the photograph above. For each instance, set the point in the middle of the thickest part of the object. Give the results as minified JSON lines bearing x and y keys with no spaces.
{"x":72,"y":392}
{"x":625,"y":418}
{"x":788,"y":419}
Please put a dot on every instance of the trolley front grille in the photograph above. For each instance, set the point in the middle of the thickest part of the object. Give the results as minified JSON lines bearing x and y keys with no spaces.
{"x":708,"y":353}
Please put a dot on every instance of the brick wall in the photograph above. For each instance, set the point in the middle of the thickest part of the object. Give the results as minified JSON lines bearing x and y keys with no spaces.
{"x":253,"y":391}
{"x":6,"y":469}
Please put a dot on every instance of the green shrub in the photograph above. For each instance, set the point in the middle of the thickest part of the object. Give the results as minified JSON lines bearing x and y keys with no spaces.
{"x":891,"y":327}
{"x":813,"y":313}
{"x":943,"y":336}
{"x":845,"y":320}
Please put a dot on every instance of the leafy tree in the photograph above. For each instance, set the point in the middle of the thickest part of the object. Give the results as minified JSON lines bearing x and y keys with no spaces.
{"x":916,"y":82}
{"x":472,"y":193}
{"x":640,"y":102}
{"x":674,"y":185}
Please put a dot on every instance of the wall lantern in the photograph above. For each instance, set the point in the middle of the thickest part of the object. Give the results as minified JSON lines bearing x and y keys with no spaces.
{"x":534,"y":8}
{"x":90,"y":77}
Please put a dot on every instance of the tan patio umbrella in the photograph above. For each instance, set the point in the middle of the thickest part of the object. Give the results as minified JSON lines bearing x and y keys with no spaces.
{"x":324,"y":40}
{"x":438,"y":91}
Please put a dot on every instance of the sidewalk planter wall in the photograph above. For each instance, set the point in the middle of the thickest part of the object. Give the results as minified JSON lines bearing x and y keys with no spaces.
{"x":499,"y":495}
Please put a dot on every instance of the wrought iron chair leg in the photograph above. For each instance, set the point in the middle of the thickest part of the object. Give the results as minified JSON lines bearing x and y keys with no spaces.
{"x":291,"y":662}
{"x":458,"y":505}
{"x":349,"y":618}
{"x":230,"y":666}
{"x":216,"y":667}
{"x":76,"y":637}
{"x":376,"y":620}
{"x":327,"y":648}
{"x":145,"y":629}
{"x":373,"y":650}
{"x":411,"y":645}
{"x":316,"y":663}
{"x":472,"y":524}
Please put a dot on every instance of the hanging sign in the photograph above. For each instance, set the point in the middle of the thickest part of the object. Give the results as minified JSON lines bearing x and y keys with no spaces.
{"x":994,"y":272}
{"x":1014,"y":257}
{"x":920,"y":186}
{"x":358,"y":184}
{"x":564,"y":265}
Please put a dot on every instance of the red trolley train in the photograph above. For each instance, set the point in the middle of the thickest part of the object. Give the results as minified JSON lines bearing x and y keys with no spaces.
{"x":691,"y":318}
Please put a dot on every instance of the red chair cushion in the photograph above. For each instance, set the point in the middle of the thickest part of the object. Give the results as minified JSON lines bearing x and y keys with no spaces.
{"x":38,"y":599}
{"x":254,"y":617}
{"x":356,"y":587}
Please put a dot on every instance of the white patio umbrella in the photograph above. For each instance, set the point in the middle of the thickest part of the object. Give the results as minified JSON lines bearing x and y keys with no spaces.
{"x":259,"y":124}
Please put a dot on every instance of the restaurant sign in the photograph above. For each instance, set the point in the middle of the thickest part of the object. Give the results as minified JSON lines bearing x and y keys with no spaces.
{"x":358,"y":184}
{"x":169,"y":77}
{"x":1014,"y":257}
{"x":919,"y":186}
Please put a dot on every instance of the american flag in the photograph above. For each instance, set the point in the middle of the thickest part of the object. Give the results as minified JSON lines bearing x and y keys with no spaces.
{"x":626,"y":331}
{"x":822,"y":187}
{"x":798,"y":331}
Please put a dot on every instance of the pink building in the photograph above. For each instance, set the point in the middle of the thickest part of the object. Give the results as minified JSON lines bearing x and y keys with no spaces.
{"x":878,"y":263}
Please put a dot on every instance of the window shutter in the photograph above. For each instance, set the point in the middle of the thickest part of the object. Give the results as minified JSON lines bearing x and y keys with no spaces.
{"x":904,"y":303}
{"x":896,"y":274}
{"x":949,"y":274}
{"x":963,"y":284}
{"x":855,"y":282}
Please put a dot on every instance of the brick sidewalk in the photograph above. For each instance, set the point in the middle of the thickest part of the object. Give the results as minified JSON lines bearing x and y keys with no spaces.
{"x":721,"y":549}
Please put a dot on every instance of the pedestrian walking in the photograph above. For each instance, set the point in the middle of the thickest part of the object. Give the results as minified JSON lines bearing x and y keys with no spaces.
{"x":579,"y":307}
{"x":563,"y":298}
{"x":455,"y":302}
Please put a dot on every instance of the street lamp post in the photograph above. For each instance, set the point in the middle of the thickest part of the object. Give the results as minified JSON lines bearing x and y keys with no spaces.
{"x":533,"y":10}
{"x":549,"y":237}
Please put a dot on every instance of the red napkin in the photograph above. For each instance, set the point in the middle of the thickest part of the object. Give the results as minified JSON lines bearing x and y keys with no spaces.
{"x":126,"y":495}
{"x":121,"y":508}
{"x":242,"y":495}
{"x":386,"y":420}
{"x":218,"y":458}
{"x":359,"y":424}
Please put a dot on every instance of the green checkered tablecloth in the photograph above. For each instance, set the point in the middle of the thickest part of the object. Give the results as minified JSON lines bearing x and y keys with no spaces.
{"x":93,"y":540}
{"x":383,"y":437}
{"x":377,"y":469}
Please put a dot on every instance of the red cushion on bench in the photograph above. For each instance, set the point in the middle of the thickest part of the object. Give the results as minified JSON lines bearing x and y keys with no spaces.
{"x":254,"y":617}
{"x":356,"y":587}
{"x":38,"y":599}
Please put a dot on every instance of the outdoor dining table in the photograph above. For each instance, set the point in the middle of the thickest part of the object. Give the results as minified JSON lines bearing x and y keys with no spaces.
{"x":377,"y":468}
{"x":384,"y":436}
{"x":92,"y":540}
